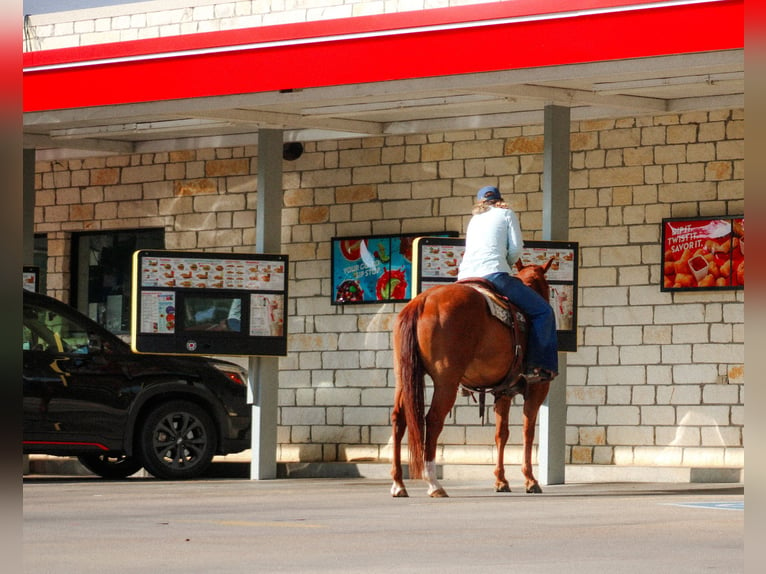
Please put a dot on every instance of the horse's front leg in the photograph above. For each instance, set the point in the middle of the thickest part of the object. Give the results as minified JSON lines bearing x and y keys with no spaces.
{"x":442,"y":402}
{"x":398,"y":426}
{"x":502,"y":409}
{"x":533,"y":400}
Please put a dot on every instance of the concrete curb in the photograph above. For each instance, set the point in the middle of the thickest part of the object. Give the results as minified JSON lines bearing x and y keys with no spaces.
{"x":240,"y":468}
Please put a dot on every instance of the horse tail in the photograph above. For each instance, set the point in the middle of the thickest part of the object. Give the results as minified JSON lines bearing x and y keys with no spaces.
{"x":410,"y":374}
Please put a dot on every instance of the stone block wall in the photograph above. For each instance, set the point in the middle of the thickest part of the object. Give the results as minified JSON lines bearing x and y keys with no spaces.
{"x":658,"y":378}
{"x":162,"y":18}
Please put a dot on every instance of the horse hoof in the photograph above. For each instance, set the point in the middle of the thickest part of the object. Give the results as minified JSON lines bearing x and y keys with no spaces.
{"x":534,"y":489}
{"x":439,"y":493}
{"x":399,"y":491}
{"x":502,"y":488}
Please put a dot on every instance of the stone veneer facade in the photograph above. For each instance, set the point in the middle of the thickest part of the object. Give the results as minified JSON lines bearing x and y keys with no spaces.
{"x":658,"y":378}
{"x":161,"y":18}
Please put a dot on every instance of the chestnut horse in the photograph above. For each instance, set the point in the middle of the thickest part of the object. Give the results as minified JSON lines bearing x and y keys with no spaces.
{"x":448,"y":333}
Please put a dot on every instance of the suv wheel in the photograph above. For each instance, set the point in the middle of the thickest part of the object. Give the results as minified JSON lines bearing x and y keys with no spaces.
{"x":177,"y":440}
{"x":107,"y":466}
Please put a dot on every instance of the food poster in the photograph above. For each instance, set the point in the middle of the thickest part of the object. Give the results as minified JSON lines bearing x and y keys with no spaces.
{"x":267,"y":315}
{"x":158,"y":312}
{"x":562,"y":301}
{"x":371,"y":269}
{"x":703,"y":253}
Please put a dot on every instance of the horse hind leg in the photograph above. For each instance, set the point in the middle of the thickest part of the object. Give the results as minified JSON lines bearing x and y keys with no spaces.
{"x":502,"y":409}
{"x":398,"y":427}
{"x":441,"y":404}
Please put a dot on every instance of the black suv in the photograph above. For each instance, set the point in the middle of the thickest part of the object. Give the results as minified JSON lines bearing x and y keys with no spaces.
{"x":86,"y":394}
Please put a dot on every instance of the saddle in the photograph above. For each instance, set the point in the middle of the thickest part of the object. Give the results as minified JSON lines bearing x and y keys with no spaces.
{"x":510,"y":315}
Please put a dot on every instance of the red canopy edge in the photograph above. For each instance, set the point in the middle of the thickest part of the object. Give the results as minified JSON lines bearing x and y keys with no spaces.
{"x":449,"y":41}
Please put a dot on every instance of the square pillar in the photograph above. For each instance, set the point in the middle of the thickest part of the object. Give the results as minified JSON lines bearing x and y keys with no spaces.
{"x":551,"y":454}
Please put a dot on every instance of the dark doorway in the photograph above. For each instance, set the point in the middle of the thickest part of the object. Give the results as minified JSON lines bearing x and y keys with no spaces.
{"x":101,"y":273}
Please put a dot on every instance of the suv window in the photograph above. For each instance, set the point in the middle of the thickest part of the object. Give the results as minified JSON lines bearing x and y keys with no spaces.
{"x":46,"y":330}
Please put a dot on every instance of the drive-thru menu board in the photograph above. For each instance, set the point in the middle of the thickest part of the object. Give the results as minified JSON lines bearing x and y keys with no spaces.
{"x":438,"y":260}
{"x":562,"y":284}
{"x":209,"y":303}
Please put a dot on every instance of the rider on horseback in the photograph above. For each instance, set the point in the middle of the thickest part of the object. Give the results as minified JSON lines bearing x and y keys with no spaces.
{"x":493,"y":243}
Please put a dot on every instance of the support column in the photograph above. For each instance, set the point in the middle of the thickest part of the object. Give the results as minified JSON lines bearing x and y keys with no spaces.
{"x":264,"y":371}
{"x":28,"y":217}
{"x":27,"y":241}
{"x":552,"y":420}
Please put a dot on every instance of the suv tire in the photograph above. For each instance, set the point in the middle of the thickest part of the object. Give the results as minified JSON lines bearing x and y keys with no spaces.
{"x":110,"y":466}
{"x":177,"y":440}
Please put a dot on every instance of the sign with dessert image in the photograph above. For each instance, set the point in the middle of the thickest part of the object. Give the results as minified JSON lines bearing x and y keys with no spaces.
{"x":209,"y":303}
{"x":703,"y":253}
{"x":373,"y":269}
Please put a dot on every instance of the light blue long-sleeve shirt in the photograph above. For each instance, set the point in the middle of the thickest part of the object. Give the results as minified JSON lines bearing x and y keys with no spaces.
{"x":493,"y":243}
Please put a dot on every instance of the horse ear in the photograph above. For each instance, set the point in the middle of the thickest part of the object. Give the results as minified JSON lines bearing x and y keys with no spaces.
{"x":548,"y":265}
{"x":519,"y":265}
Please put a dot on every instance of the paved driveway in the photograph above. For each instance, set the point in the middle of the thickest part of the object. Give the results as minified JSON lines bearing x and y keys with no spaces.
{"x":81,"y":525}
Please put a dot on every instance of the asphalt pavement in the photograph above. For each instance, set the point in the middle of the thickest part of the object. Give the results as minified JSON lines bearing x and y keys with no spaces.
{"x":225,"y":524}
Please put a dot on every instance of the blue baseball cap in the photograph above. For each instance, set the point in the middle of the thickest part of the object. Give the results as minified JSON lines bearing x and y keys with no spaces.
{"x":488,"y":192}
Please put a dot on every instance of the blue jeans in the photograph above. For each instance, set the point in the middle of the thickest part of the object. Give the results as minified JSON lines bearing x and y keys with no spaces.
{"x":542,"y":341}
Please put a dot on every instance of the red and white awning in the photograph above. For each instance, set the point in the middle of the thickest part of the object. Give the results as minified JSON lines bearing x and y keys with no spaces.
{"x":515,"y":35}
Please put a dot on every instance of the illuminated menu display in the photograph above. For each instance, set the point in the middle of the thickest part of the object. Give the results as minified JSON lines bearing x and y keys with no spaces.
{"x":437,"y":261}
{"x":204,"y":273}
{"x":209,"y":303}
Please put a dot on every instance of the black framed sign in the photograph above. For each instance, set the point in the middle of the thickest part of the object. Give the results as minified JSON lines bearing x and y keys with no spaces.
{"x":31,"y":278}
{"x":374,"y":269}
{"x":562,"y":283}
{"x":209,"y":303}
{"x":703,"y":253}
{"x":438,"y":260}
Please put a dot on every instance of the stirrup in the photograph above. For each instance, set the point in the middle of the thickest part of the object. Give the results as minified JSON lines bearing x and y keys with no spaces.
{"x":537,"y":375}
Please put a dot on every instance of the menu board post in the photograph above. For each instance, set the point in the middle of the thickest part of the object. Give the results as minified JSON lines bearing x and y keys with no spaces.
{"x":209,"y":303}
{"x":438,"y":259}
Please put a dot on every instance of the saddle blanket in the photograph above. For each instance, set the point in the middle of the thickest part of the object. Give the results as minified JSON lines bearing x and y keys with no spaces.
{"x":503,"y":311}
